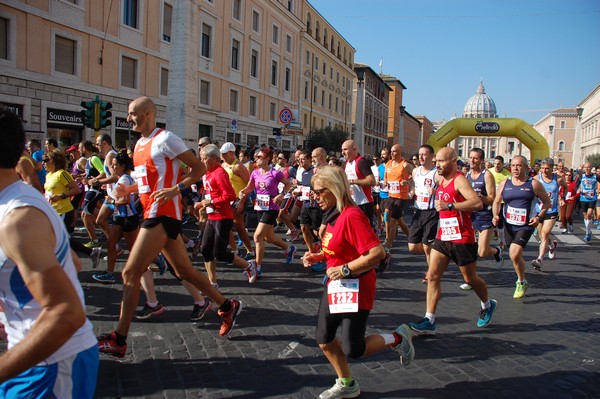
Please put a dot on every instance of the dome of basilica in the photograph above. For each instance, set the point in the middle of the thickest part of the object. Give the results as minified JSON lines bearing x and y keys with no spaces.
{"x":480,"y":105}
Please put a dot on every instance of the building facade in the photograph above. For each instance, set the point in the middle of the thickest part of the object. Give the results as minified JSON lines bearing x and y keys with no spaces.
{"x":223,"y":69}
{"x":558,"y":128}
{"x":370,"y":109}
{"x":588,"y":127}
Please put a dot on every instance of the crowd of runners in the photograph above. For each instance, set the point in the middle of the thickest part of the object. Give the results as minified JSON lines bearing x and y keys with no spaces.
{"x":343,"y":212}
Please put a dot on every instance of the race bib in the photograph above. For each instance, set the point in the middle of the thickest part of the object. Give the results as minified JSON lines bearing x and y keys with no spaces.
{"x":263,"y":202}
{"x":449,"y":229}
{"x":305,"y":196}
{"x":342,"y":295}
{"x":422,"y":198}
{"x":516,"y":216}
{"x":394,"y":187}
{"x":209,"y":209}
{"x":142,"y":179}
{"x":569,"y":196}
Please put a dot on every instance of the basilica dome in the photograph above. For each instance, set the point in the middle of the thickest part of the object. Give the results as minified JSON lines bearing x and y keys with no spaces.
{"x":480,"y":105}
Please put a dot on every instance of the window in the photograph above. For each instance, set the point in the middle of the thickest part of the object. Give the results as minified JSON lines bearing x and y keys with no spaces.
{"x":252,"y":106}
{"x":322,"y":98}
{"x":167,"y":18}
{"x":204,"y":92}
{"x":275,"y":34}
{"x":288,"y":78}
{"x":64,"y":55}
{"x":255,"y":21}
{"x":316,"y":63}
{"x":164,"y":81}
{"x":274,"y":73}
{"x":233,"y":100}
{"x":290,"y":5}
{"x":206,"y":33}
{"x":128,"y":72}
{"x":237,"y":10}
{"x":336,"y":104}
{"x":254,"y":64}
{"x":561,"y":144}
{"x":4,"y":24}
{"x":272,"y":111}
{"x":235,"y":53}
{"x":306,"y":90}
{"x":325,"y":68}
{"x":314,"y":94}
{"x":130,"y":13}
{"x":288,"y":43}
{"x":307,"y":57}
{"x":330,"y":101}
{"x":331,"y":73}
{"x":563,"y":124}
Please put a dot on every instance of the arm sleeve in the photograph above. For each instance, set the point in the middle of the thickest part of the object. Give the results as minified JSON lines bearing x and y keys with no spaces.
{"x":97,"y":163}
{"x":365,"y":167}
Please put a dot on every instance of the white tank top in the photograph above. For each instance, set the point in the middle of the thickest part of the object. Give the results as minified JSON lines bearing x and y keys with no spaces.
{"x":423,"y":182}
{"x":20,"y":309}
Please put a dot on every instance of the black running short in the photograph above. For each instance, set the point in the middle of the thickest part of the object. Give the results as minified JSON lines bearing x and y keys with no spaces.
{"x":172,"y":226}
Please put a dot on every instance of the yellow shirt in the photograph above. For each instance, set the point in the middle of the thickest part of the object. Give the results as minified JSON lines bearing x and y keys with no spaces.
{"x":57,"y":183}
{"x":236,"y":181}
{"x":499,"y":177}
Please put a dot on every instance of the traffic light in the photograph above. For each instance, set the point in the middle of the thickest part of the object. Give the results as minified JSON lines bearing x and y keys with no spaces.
{"x":105,"y":114}
{"x":88,"y":113}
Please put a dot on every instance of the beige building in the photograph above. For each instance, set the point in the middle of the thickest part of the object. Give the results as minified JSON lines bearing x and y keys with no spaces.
{"x":588,"y":128}
{"x":558,"y":128}
{"x":426,"y":129}
{"x":327,"y":73}
{"x":224,"y":69}
{"x":370,"y":110}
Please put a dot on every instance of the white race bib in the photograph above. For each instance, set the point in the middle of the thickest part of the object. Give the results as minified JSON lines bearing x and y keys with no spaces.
{"x":209,"y":209}
{"x":142,"y":179}
{"x":342,"y":295}
{"x":305,"y":193}
{"x":394,"y":187}
{"x":516,"y":216}
{"x":450,"y":230}
{"x":422,"y":198}
{"x":262,"y":202}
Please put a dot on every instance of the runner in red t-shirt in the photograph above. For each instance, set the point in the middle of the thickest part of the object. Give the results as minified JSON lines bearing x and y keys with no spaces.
{"x":351,"y":249}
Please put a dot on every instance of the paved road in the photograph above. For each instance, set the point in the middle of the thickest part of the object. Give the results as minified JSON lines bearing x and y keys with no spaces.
{"x":544,"y":346}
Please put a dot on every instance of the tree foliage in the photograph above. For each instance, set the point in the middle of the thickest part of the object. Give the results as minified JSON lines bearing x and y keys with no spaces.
{"x":594,"y":160}
{"x":331,"y":139}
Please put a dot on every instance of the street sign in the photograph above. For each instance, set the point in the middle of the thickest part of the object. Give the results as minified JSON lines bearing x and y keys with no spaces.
{"x":285,"y":116}
{"x":234,"y":125}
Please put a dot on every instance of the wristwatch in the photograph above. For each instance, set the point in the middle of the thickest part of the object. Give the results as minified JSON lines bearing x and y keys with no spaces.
{"x":180,"y":187}
{"x":346,"y":271}
{"x":450,"y":206}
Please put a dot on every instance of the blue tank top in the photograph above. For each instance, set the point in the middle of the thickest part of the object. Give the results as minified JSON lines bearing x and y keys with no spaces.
{"x":479,"y":186}
{"x":517,"y":204}
{"x":552,"y":190}
{"x":588,"y":188}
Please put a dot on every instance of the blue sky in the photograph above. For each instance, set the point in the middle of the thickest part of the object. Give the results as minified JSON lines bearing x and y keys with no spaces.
{"x":534,"y":56}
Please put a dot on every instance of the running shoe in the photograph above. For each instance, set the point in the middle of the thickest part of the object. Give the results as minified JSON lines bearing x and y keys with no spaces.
{"x":520,"y":289}
{"x":200,"y":310}
{"x":465,"y":287}
{"x":485,"y":316}
{"x":571,"y":229}
{"x":405,"y":347}
{"x":587,"y":237}
{"x":148,"y":311}
{"x":107,"y":343}
{"x":537,"y":264}
{"x":92,"y":244}
{"x":250,"y":255}
{"x":294,"y":235}
{"x":104,"y":278}
{"x":552,"y":249}
{"x":161,"y":262}
{"x":339,"y":391}
{"x":384,"y":263}
{"x":251,"y":272}
{"x":423,"y":327}
{"x":319,"y":267}
{"x":564,"y":231}
{"x":95,"y":255}
{"x":229,"y":317}
{"x":289,"y":254}
{"x":499,"y":257}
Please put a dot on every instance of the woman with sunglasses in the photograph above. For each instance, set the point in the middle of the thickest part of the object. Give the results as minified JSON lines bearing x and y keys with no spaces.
{"x":566,"y":209}
{"x":265,"y":181}
{"x":60,"y":187}
{"x":351,"y":249}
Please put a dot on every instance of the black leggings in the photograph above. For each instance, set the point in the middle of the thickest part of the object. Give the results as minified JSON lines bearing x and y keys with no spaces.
{"x":215,"y":240}
{"x":75,"y":245}
{"x":354,"y":326}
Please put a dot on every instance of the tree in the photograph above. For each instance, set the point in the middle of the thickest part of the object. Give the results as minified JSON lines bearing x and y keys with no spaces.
{"x":331,"y":139}
{"x":594,"y":160}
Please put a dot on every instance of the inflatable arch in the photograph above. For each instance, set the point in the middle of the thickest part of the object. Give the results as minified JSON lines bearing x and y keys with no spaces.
{"x":493,"y":127}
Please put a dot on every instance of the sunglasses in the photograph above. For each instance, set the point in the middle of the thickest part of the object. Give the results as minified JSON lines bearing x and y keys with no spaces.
{"x":415,"y":159}
{"x":282,"y":158}
{"x":319,"y":191}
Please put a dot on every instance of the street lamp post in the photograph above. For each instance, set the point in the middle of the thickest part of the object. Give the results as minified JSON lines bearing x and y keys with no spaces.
{"x":577,"y":145}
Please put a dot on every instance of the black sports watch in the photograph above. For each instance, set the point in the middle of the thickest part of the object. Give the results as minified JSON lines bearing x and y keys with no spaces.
{"x":180,"y":187}
{"x":346,"y":271}
{"x":450,"y":206}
